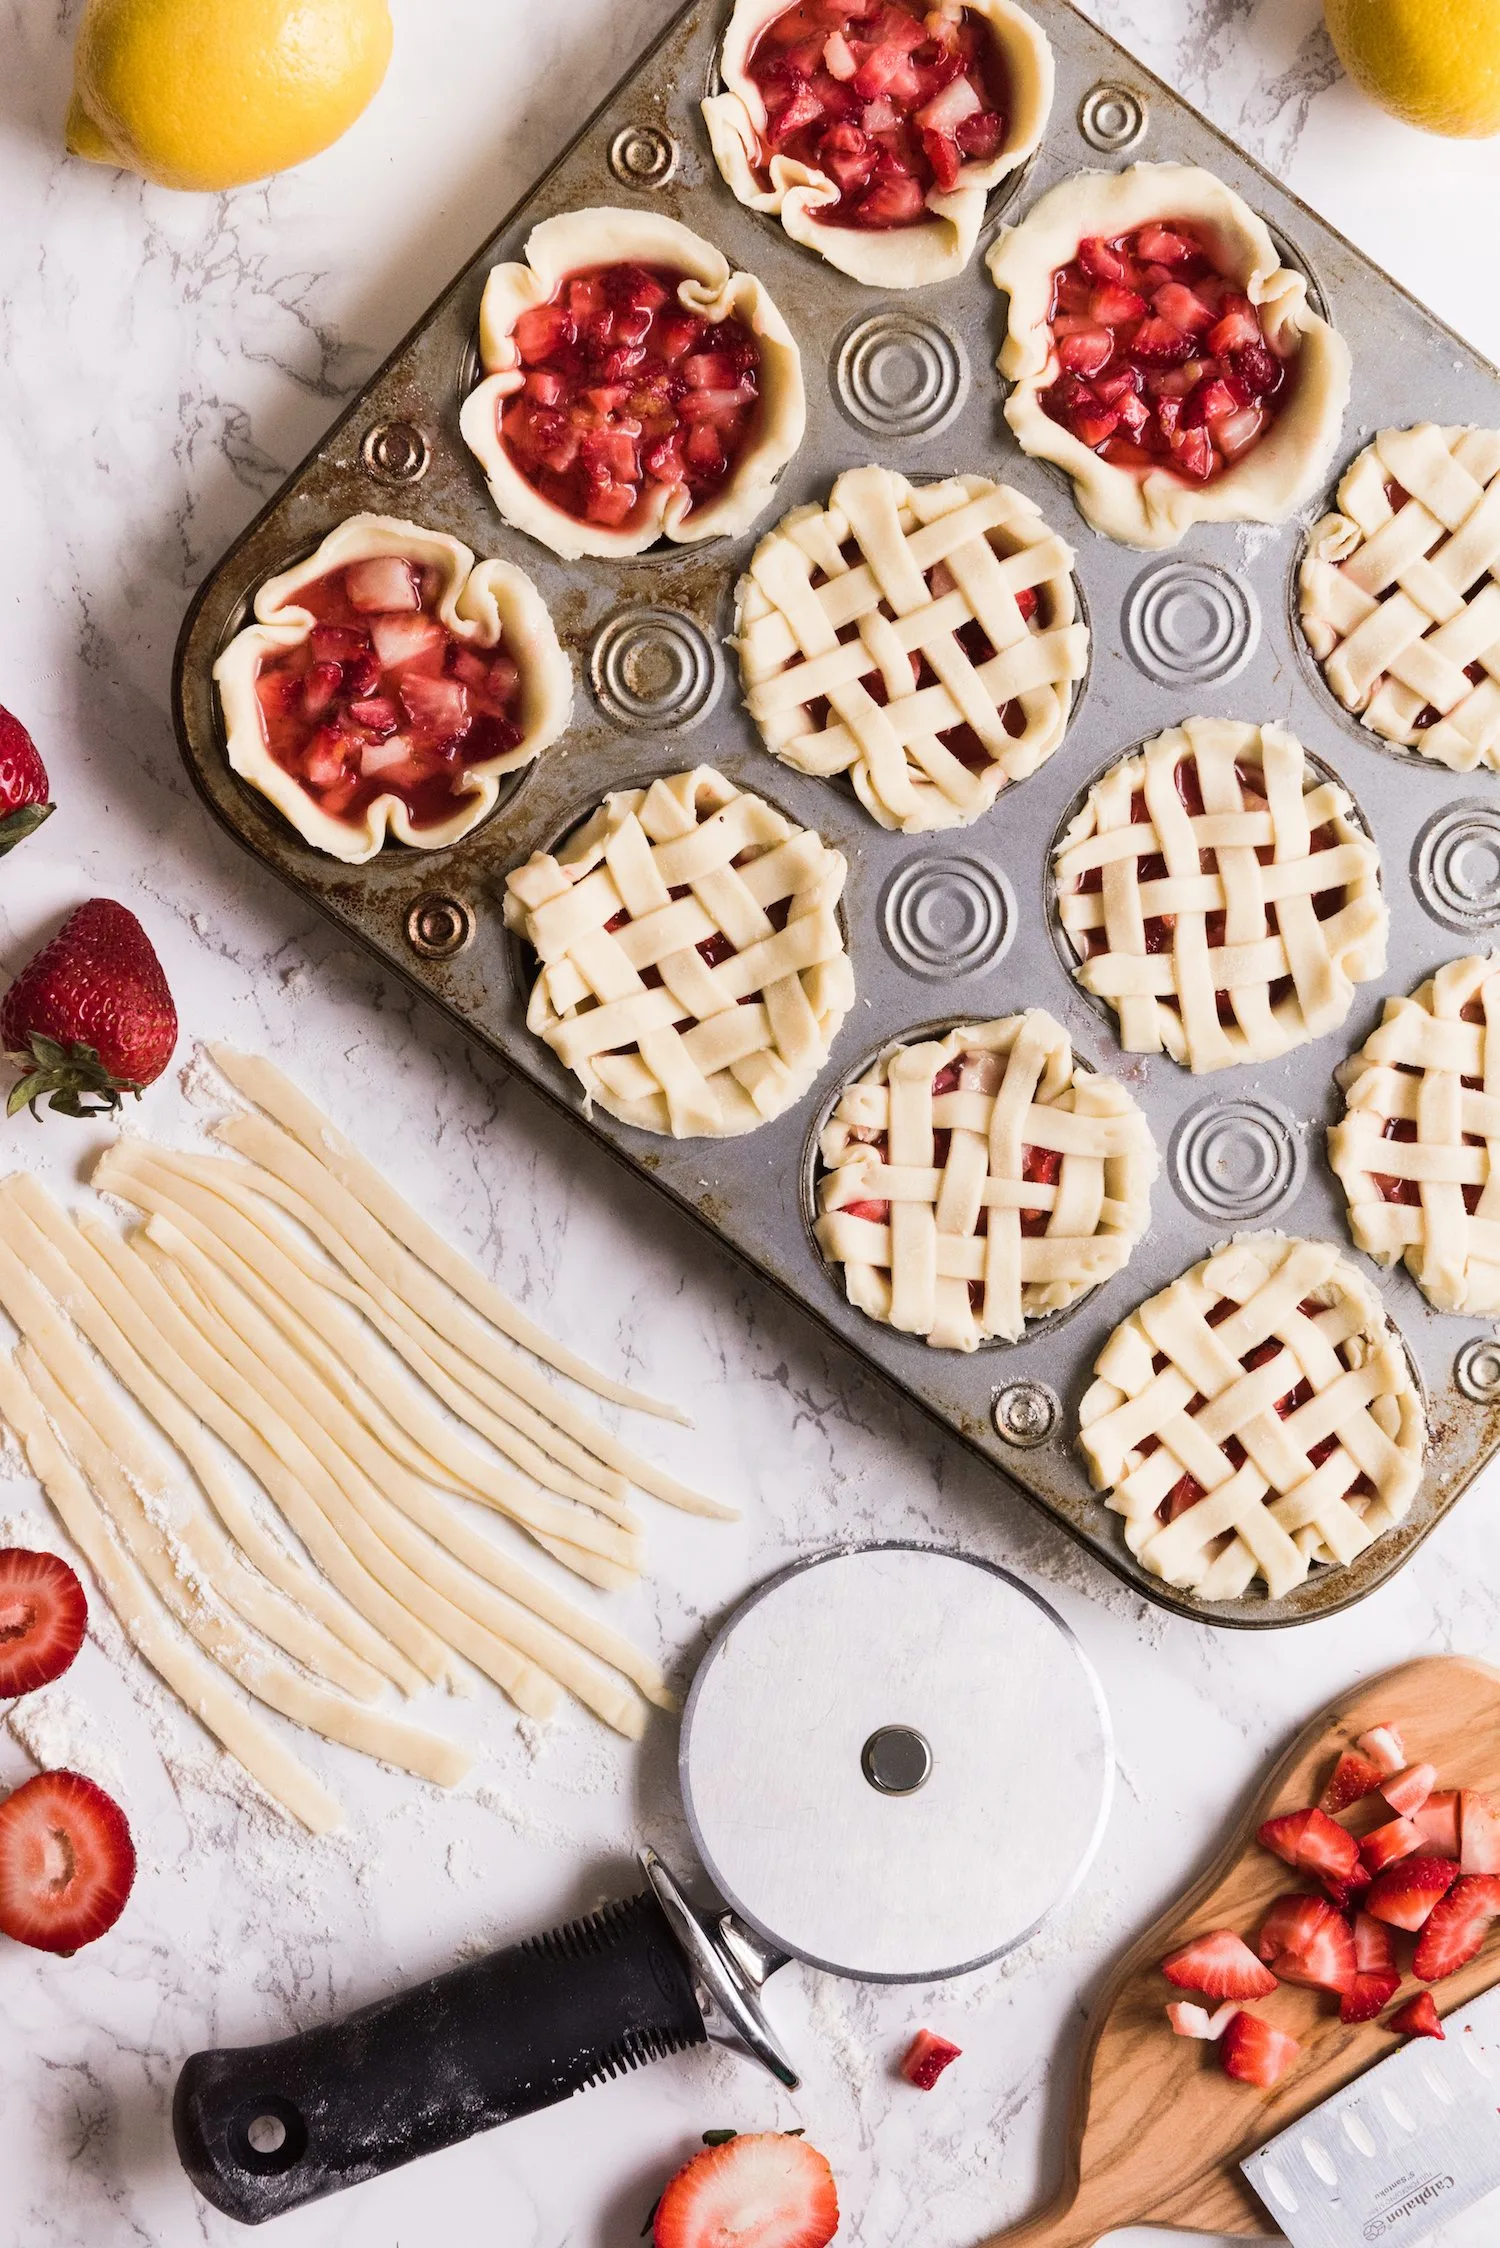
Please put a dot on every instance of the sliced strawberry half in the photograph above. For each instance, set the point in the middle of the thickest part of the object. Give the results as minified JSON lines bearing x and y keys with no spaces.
{"x":1437,"y":1823}
{"x":1417,"y":2018}
{"x":1253,"y":2052}
{"x":43,"y":1617}
{"x":1407,"y":1790}
{"x":1398,"y":1838}
{"x":1404,"y":1894}
{"x":762,"y":2190}
{"x":1220,"y":1965}
{"x":1479,"y":1832}
{"x":66,"y":1862}
{"x":1306,"y":1941}
{"x":926,"y":2058}
{"x":1312,"y":1842}
{"x":1382,"y":1745}
{"x":1457,"y":1926}
{"x":1351,"y":1780}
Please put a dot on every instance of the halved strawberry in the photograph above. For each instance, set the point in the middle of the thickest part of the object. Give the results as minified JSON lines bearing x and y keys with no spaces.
{"x":1220,"y":1965}
{"x":1437,"y":1823}
{"x":926,"y":2058}
{"x":66,"y":1862}
{"x":43,"y":1616}
{"x":1479,"y":1831}
{"x":1255,"y":2053}
{"x":1457,"y":1926}
{"x":1382,"y":1745}
{"x":762,"y":2190}
{"x":1417,"y":2018}
{"x":1407,"y":1790}
{"x":1383,"y":1845}
{"x":1312,"y":1842}
{"x":1404,"y":1894}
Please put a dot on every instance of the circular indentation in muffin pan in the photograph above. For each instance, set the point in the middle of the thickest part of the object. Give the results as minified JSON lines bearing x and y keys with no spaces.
{"x":655,"y":669}
{"x":946,"y":917}
{"x":643,"y":156}
{"x":439,"y":926}
{"x":1238,"y":1158}
{"x":396,"y":451}
{"x":1477,"y":1370}
{"x":1025,"y":1414}
{"x":899,"y":375}
{"x":1190,"y":624}
{"x":1112,"y":118}
{"x":1455,"y":868}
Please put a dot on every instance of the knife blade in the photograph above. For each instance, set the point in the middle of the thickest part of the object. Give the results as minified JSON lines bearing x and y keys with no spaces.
{"x":1413,"y":2142}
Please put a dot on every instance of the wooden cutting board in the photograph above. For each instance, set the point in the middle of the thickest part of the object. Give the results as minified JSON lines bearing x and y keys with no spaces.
{"x":1158,"y":2129}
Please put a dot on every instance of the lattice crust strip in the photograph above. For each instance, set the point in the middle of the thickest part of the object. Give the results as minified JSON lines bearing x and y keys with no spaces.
{"x":1418,"y":1149}
{"x":1399,"y":594}
{"x":692,"y":970}
{"x":1220,"y":896}
{"x":981,"y":1180}
{"x":922,"y":639}
{"x":1256,"y":1418}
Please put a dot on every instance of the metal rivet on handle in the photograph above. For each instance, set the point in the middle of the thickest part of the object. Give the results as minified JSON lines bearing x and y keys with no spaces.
{"x":900,"y":375}
{"x":1238,"y":1158}
{"x":1456,"y":866}
{"x":438,"y":926}
{"x":1477,"y":1369}
{"x":943,"y":917}
{"x":655,"y":668}
{"x":643,"y":156}
{"x":396,"y":452}
{"x":1111,"y":118}
{"x":1026,"y":1413}
{"x":1189,"y":624}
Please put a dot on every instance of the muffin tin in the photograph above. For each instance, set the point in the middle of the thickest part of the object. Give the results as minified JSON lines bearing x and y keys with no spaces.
{"x":943,"y":928}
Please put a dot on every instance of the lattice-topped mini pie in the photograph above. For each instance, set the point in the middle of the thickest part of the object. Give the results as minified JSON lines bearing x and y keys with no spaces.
{"x":981,"y":1180}
{"x":875,"y":132}
{"x":692,"y":968}
{"x":922,"y":638}
{"x":1417,"y":1147}
{"x":1220,"y":896}
{"x":1256,"y":1417}
{"x":1399,"y":597}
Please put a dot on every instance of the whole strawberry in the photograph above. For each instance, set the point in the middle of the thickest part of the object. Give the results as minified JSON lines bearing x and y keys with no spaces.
{"x":23,"y":784}
{"x":90,"y":1017}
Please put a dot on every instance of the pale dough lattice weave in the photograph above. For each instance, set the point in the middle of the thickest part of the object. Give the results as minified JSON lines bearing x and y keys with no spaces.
{"x":837,"y":603}
{"x":1182,"y":1420}
{"x":1042,"y":1191}
{"x":1399,"y":596}
{"x":1223,"y":934}
{"x":693,"y":973}
{"x":1423,"y":1116}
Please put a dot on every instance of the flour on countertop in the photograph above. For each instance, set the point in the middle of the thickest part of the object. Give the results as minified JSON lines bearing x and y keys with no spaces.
{"x":62,"y":1733}
{"x":203,"y":1086}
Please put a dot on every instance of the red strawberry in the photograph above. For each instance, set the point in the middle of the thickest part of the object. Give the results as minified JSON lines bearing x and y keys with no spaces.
{"x":1307,"y":1942}
{"x":1407,"y":1790}
{"x":1457,"y":1926}
{"x":1405,"y":1894}
{"x":764,"y":2190}
{"x":66,"y":1862}
{"x":1221,"y":1965}
{"x":1352,"y":1778}
{"x":1374,"y":1952}
{"x":1479,"y":1825}
{"x":1255,"y":2053}
{"x":1437,"y":1823}
{"x":90,"y":1015}
{"x":926,"y":2058}
{"x":1312,"y":1842}
{"x":43,"y":1615}
{"x":1398,"y":1838}
{"x":23,"y":784}
{"x":1369,"y":1994}
{"x":1382,"y":1745}
{"x":1417,"y":2018}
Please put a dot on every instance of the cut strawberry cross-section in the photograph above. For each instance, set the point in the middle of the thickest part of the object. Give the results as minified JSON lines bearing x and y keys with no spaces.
{"x":926,"y":2058}
{"x":1376,"y":1976}
{"x":1312,"y":1842}
{"x":1382,"y":1744}
{"x":1305,"y":1940}
{"x":1220,"y":1965}
{"x":1188,"y":2020}
{"x":1457,"y":1926}
{"x":1407,"y":1790}
{"x":1398,"y":1838}
{"x":1404,"y":1894}
{"x":762,"y":2189}
{"x":1352,"y":1779}
{"x":1417,"y":2018}
{"x":1479,"y":1830}
{"x":1438,"y":1823}
{"x":43,"y":1616}
{"x":67,"y":1862}
{"x":1254,"y":2052}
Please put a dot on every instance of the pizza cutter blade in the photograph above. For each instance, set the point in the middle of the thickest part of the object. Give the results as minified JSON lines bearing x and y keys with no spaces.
{"x":895,"y":1761}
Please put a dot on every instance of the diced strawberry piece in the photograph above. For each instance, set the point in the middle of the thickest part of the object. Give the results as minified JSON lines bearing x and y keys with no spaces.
{"x":1156,"y":339}
{"x":1399,"y":1838}
{"x":1210,"y":401}
{"x":67,"y":1862}
{"x":1177,"y":304}
{"x":1158,"y":245}
{"x":1325,"y":1962}
{"x":1369,"y":1994}
{"x":542,"y":330}
{"x":943,"y":154}
{"x":1238,"y":431}
{"x":1134,"y":413}
{"x":1117,"y":385}
{"x":1382,"y":1744}
{"x":407,"y":643}
{"x":1253,"y":2052}
{"x":1220,"y":1965}
{"x":1407,"y":1790}
{"x":377,"y":714}
{"x":608,"y":398}
{"x":1114,"y":306}
{"x":382,"y":581}
{"x":337,"y":643}
{"x":1312,"y":1842}
{"x":1437,"y":1822}
{"x":763,"y":2189}
{"x":838,"y":57}
{"x":1293,"y":1925}
{"x":1479,"y":1830}
{"x":544,"y":386}
{"x":892,"y":202}
{"x":1457,"y":1926}
{"x":926,"y":2058}
{"x":438,"y":708}
{"x":1085,"y":352}
{"x":709,"y":370}
{"x":1235,"y":327}
{"x":320,"y":686}
{"x":611,"y":504}
{"x":1262,"y":373}
{"x":981,"y":136}
{"x":1351,"y":1780}
{"x":1100,"y":260}
{"x":1374,"y":1951}
{"x":1188,"y":2020}
{"x":848,"y":155}
{"x":1404,"y":1894}
{"x":948,"y":109}
{"x":43,"y":1617}
{"x":1193,"y":453}
{"x":1093,"y":429}
{"x":323,"y":759}
{"x":1417,"y":2018}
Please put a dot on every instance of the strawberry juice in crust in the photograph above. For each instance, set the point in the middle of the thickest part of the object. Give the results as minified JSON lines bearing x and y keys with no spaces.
{"x":886,"y":97}
{"x":1163,"y":359}
{"x":627,"y":389}
{"x":381,"y":699}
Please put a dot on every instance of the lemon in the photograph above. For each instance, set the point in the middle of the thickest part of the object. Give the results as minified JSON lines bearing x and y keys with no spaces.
{"x":1433,"y":63}
{"x":212,"y":93}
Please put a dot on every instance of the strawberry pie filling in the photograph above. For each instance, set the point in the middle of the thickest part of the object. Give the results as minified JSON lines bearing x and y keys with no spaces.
{"x":713,"y":951}
{"x":1163,"y":360}
{"x":381,"y":699}
{"x":1409,"y":1191}
{"x":626,"y":391}
{"x":888,"y":98}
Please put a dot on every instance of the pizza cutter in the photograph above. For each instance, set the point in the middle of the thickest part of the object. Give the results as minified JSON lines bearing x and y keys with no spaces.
{"x":895,"y":1762}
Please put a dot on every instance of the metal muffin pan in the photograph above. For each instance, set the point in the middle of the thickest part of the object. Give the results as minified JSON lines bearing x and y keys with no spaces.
{"x":947,"y":927}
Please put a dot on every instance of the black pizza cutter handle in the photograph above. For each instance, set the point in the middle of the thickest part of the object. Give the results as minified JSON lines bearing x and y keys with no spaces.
{"x":264,"y":2129}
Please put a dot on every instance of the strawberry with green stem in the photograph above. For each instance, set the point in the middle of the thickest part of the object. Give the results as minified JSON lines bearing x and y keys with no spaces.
{"x":90,"y":1017}
{"x":23,"y":784}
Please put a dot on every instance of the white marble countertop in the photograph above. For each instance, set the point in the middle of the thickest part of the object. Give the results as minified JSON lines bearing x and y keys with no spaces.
{"x":163,"y":362}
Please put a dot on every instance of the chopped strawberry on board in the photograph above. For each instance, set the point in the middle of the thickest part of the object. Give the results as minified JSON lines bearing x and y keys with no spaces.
{"x":1398,"y":1838}
{"x":764,"y":2189}
{"x":1417,"y":2018}
{"x":1479,"y":1831}
{"x":1407,"y":1790}
{"x":1352,"y":1779}
{"x":23,"y":784}
{"x":1312,"y":1842}
{"x":1437,"y":1823}
{"x":66,"y":1862}
{"x":90,"y":1016}
{"x":1188,"y":2020}
{"x":1382,"y":1745}
{"x":1253,"y":2052}
{"x":1457,"y":1926}
{"x":1376,"y":1976}
{"x":43,"y":1616}
{"x":1404,"y":1894}
{"x":1304,"y":1940}
{"x":926,"y":2058}
{"x":1220,"y":1965}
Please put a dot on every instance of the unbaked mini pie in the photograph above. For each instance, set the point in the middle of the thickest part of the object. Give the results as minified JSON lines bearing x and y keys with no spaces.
{"x":875,"y":129}
{"x":1256,"y":1418}
{"x":635,"y":387}
{"x":691,"y":966}
{"x":1164,"y":356}
{"x":1218,"y":893}
{"x":386,"y":686}
{"x":1415,"y":1147}
{"x":980,"y":1180}
{"x":1399,"y":597}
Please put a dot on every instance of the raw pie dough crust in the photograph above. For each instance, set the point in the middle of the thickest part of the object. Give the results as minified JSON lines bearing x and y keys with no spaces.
{"x":907,"y":257}
{"x":991,"y":544}
{"x":737,"y":1066}
{"x":570,"y":244}
{"x":482,"y":604}
{"x":914,"y":1271}
{"x":1388,"y":593}
{"x":1268,"y":1510}
{"x":1288,"y":463}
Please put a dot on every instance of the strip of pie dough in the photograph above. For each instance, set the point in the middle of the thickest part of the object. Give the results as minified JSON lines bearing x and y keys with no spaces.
{"x":196,"y":1683}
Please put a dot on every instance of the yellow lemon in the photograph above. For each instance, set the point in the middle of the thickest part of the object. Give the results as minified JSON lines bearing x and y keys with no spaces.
{"x":1433,"y":63}
{"x":212,"y":93}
